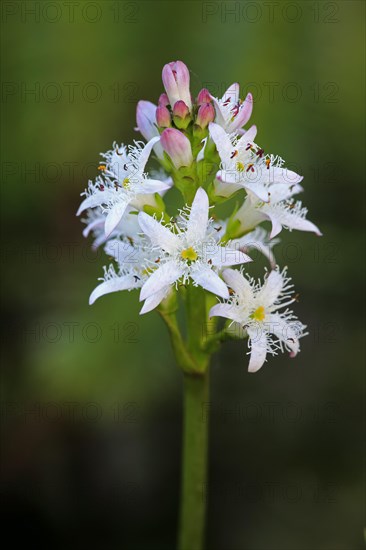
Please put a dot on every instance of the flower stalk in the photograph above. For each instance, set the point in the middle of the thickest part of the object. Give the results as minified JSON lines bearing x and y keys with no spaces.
{"x":206,"y":153}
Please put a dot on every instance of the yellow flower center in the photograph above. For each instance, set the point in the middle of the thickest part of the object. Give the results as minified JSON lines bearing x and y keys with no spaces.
{"x":189,"y":254}
{"x":126,"y":182}
{"x":259,"y":314}
{"x":240,"y":166}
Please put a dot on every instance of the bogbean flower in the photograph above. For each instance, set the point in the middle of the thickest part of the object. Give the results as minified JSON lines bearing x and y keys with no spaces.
{"x":131,"y":256}
{"x":259,"y":310}
{"x":231,"y":112}
{"x":123,"y":182}
{"x":188,"y":251}
{"x":239,"y":162}
{"x":281,"y":209}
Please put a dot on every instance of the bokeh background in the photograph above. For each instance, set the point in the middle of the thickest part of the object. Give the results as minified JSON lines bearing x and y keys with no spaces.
{"x":91,"y":397}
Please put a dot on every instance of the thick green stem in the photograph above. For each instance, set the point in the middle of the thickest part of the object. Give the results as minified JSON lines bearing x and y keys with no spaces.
{"x":194,"y":469}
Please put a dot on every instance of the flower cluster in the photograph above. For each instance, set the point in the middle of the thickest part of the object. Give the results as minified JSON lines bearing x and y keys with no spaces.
{"x":205,"y":151}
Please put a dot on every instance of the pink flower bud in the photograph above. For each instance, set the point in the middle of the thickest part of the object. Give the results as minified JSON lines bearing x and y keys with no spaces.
{"x":163,"y":117}
{"x":163,"y":100}
{"x":176,"y":83}
{"x":178,"y":147}
{"x":180,"y":109}
{"x":203,"y":97}
{"x":205,"y":115}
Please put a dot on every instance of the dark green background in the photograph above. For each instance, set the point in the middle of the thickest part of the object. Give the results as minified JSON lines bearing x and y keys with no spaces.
{"x":286,"y":443}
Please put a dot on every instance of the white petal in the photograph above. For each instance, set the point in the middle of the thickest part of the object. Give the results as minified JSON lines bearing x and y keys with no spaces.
{"x":198,"y":217}
{"x":209,"y":280}
{"x":288,"y":219}
{"x":287,"y":332}
{"x":223,"y":189}
{"x":225,"y":256}
{"x":126,"y":282}
{"x":201,"y":154}
{"x":257,"y":188}
{"x":283,"y":191}
{"x":222,"y":141}
{"x":232,"y":93}
{"x":258,"y":345}
{"x":220,"y":119}
{"x":224,"y":310}
{"x":145,"y":153}
{"x":271,"y":289}
{"x":157,"y":233}
{"x":276,"y":174}
{"x":247,"y":137}
{"x":153,"y":301}
{"x":97,"y":199}
{"x":160,"y":279}
{"x":114,"y":216}
{"x":239,"y":284}
{"x":98,"y":222}
{"x":149,"y":186}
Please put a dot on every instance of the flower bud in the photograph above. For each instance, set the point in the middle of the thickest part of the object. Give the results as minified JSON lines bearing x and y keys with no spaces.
{"x":163,"y":117}
{"x":203,"y":97}
{"x":145,"y":118}
{"x":178,"y":147}
{"x":163,"y":100}
{"x":181,"y":115}
{"x":205,"y":115}
{"x":176,"y":83}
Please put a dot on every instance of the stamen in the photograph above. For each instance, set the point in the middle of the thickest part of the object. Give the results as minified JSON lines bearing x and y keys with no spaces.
{"x":259,"y":314}
{"x":189,"y":254}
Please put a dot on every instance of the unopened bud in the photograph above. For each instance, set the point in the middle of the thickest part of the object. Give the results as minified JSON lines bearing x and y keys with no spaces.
{"x":176,"y":83}
{"x":163,"y":100}
{"x":181,"y":115}
{"x":203,"y":97}
{"x":163,"y":119}
{"x":205,"y":115}
{"x":178,"y":147}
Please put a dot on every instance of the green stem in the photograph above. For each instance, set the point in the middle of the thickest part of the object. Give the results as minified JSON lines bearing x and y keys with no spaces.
{"x":194,"y":470}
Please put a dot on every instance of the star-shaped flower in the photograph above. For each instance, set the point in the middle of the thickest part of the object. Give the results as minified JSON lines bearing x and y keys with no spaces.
{"x":188,"y":250}
{"x":255,"y":308}
{"x":131,"y":255}
{"x":241,"y":165}
{"x":123,"y":182}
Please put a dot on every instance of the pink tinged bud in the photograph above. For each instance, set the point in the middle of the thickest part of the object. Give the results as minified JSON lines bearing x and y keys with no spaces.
{"x":176,"y":83}
{"x":163,"y":117}
{"x":178,"y":147}
{"x":203,"y":97}
{"x":180,"y":109}
{"x":163,"y":100}
{"x":205,"y":115}
{"x":145,"y":118}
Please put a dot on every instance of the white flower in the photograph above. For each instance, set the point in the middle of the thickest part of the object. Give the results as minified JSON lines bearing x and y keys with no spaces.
{"x":255,"y":307}
{"x":240,"y":163}
{"x":131,"y":255}
{"x":123,"y":182}
{"x":231,"y":112}
{"x":188,"y":250}
{"x":281,"y":209}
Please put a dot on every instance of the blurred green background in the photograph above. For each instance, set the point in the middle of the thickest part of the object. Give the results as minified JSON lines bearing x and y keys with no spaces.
{"x":91,"y":395}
